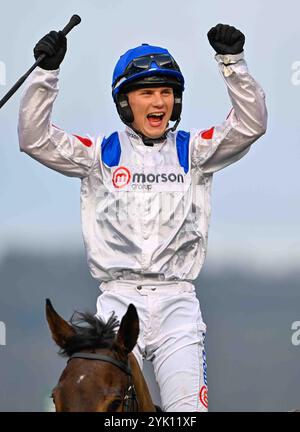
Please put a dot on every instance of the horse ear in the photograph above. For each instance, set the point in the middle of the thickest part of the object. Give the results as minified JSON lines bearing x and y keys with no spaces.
{"x":128,"y":332}
{"x":61,"y":330}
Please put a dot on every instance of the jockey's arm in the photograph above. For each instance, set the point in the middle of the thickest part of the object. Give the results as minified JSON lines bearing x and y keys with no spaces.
{"x":68,"y":154}
{"x":224,"y":144}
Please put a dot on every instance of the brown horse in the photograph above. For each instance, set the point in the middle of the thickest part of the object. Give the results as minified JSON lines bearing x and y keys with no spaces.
{"x":102,"y":373}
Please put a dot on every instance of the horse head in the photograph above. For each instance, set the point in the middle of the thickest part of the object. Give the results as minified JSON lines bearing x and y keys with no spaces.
{"x":101,"y":374}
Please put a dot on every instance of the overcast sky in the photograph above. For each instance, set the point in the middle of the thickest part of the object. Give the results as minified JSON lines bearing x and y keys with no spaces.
{"x":255,"y":209}
{"x":255,"y":202}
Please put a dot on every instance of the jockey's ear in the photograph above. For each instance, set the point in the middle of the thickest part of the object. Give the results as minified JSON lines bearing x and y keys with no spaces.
{"x":60,"y":329}
{"x":128,"y":332}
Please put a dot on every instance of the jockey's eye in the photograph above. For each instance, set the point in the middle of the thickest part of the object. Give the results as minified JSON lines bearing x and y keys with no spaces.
{"x":114,"y":405}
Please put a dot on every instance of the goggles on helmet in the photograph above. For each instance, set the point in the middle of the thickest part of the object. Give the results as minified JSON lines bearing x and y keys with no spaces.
{"x":144,"y":63}
{"x":141,"y":64}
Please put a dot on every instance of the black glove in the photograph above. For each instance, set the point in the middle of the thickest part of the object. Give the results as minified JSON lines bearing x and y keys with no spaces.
{"x":54,"y":44}
{"x":226,"y":39}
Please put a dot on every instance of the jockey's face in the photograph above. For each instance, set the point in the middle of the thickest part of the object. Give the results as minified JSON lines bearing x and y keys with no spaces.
{"x":152,"y":109}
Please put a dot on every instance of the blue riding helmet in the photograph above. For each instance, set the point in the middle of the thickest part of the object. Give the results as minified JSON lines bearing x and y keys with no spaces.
{"x":146,"y":66}
{"x":145,"y":61}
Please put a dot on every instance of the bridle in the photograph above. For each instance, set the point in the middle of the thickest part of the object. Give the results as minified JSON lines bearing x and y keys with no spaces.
{"x":130,"y":401}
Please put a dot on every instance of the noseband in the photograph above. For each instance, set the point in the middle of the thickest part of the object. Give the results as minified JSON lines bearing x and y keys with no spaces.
{"x":130,"y":401}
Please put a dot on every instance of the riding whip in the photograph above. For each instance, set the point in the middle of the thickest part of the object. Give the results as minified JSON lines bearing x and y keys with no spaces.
{"x":75,"y":20}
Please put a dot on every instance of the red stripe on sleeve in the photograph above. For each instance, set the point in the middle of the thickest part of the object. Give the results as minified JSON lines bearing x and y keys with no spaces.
{"x":208,"y":134}
{"x":86,"y":141}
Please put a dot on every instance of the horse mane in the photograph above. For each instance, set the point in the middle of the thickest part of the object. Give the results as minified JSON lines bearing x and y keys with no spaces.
{"x":91,"y":332}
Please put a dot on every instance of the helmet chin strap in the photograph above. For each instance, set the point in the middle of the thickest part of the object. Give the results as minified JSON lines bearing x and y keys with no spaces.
{"x":151,"y":141}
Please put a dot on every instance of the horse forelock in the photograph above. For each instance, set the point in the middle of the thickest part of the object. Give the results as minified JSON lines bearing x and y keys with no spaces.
{"x":90,"y":333}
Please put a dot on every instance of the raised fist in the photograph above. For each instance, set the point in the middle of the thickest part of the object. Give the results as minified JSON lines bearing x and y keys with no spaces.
{"x":54,"y":44}
{"x":226,"y":39}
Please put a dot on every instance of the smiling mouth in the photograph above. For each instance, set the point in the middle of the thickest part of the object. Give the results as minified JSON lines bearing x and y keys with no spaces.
{"x":155,"y":119}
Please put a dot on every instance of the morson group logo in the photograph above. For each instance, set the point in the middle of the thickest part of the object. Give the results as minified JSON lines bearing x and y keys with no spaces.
{"x":122,"y":176}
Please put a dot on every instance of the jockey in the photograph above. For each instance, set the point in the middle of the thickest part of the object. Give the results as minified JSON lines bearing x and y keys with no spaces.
{"x":146,"y":193}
